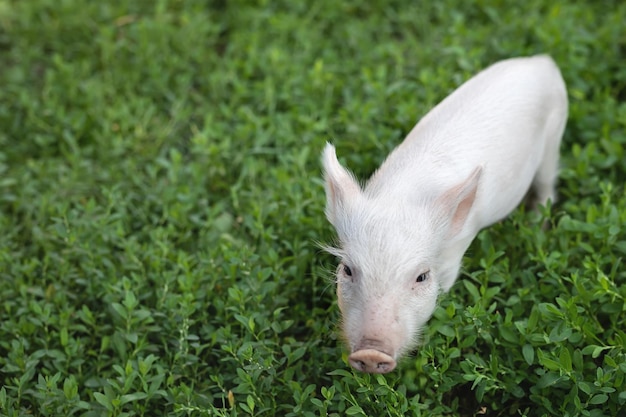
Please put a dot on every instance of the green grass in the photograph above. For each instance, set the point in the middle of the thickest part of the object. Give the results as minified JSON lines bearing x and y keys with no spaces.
{"x":161,"y":204}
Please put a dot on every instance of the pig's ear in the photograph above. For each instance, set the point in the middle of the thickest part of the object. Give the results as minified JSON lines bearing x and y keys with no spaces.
{"x":341,"y":187}
{"x":456,"y":203}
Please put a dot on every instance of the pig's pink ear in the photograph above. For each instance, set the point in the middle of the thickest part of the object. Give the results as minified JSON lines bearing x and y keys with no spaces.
{"x":341,"y":187}
{"x":456,"y":203}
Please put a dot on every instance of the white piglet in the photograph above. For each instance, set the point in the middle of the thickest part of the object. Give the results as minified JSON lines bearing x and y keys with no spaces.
{"x":467,"y":164}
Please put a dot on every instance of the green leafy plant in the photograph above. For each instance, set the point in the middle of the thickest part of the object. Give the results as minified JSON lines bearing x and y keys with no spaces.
{"x":161,"y":207}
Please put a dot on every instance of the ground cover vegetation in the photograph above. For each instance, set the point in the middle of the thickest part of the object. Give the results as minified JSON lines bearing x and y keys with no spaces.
{"x":161,"y":207}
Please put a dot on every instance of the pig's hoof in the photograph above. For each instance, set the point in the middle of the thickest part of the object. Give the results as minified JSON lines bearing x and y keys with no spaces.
{"x":372,"y":361}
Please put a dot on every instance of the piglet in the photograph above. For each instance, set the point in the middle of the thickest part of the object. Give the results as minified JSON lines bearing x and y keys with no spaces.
{"x":467,"y":164}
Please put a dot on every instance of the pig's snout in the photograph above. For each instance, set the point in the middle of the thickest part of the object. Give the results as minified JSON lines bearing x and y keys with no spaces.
{"x":372,"y":360}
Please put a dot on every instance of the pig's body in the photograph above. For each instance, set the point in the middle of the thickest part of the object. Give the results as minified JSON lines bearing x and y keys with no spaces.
{"x":467,"y":164}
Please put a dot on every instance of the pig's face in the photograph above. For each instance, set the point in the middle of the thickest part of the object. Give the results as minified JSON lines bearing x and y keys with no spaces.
{"x":393,"y":263}
{"x":387,"y":283}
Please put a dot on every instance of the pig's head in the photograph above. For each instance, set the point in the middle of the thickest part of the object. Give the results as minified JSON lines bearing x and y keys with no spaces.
{"x":393,"y":261}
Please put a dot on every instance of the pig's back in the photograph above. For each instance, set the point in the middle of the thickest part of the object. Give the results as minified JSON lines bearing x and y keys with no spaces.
{"x":500,"y":119}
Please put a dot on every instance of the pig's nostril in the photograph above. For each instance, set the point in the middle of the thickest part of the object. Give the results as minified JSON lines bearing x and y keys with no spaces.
{"x":372,"y":361}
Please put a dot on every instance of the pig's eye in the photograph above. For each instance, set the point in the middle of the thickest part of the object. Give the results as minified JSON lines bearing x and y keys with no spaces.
{"x":423,"y":276}
{"x":345,"y":272}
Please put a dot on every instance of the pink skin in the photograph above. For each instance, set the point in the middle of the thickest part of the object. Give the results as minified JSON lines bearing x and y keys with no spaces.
{"x":374,"y":348}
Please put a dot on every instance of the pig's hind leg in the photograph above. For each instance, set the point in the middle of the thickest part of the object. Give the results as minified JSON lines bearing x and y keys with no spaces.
{"x":544,"y":182}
